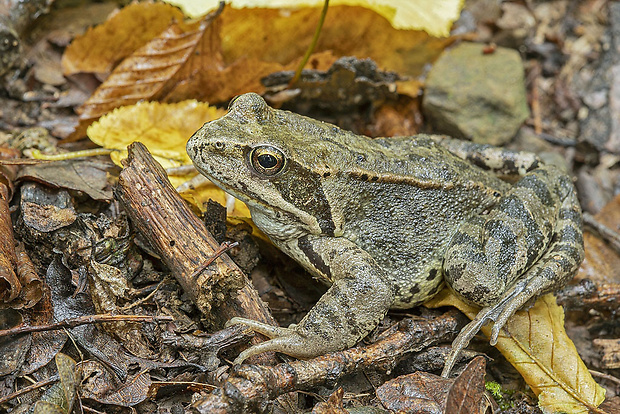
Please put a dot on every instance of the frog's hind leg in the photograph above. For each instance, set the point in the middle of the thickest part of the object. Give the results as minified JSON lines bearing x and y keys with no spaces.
{"x":556,"y":262}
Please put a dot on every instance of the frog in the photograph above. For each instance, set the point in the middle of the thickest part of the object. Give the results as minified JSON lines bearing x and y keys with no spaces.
{"x":387,"y":222}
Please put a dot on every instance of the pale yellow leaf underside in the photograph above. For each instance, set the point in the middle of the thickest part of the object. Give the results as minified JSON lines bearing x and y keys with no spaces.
{"x":536,"y":344}
{"x":163,"y":128}
{"x":435,"y":17}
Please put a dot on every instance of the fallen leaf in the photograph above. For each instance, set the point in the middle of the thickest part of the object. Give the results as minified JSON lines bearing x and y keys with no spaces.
{"x":163,"y":128}
{"x":104,"y":387}
{"x":87,"y":176}
{"x":602,"y":263}
{"x":467,"y":393}
{"x":102,"y":47}
{"x":333,"y":405}
{"x":536,"y":344}
{"x":433,"y":16}
{"x":60,"y":397}
{"x":420,"y":392}
{"x":273,"y":36}
{"x":157,"y":67}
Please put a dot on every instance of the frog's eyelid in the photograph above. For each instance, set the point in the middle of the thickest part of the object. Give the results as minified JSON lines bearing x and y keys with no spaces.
{"x":232,"y":101}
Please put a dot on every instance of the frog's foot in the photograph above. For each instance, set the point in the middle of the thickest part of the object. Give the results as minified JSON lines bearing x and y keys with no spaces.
{"x":511,"y":301}
{"x":499,"y":313}
{"x":284,"y":340}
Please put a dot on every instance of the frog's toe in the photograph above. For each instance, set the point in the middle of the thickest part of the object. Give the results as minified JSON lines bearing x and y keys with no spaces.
{"x":287,"y":341}
{"x":269,"y":331}
{"x":465,"y":336}
{"x":512,"y":300}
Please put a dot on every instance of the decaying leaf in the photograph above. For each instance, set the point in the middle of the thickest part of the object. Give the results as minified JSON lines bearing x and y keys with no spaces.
{"x":467,"y":393}
{"x":104,"y":387}
{"x":333,"y":405}
{"x":420,"y":392}
{"x":13,"y":350}
{"x":60,"y":397}
{"x":602,"y":263}
{"x":157,"y":67}
{"x":102,"y":47}
{"x":87,"y":176}
{"x":219,"y":57}
{"x":536,"y":344}
{"x":434,"y":17}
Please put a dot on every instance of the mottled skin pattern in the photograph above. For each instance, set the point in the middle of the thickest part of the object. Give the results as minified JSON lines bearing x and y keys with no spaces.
{"x":385,"y":221}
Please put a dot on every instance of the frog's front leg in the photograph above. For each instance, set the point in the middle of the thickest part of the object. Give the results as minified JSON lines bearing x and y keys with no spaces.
{"x":358,"y":299}
{"x":529,"y":244}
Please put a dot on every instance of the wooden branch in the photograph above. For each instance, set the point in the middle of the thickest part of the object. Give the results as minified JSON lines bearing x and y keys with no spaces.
{"x":184,"y":245}
{"x":250,"y":386}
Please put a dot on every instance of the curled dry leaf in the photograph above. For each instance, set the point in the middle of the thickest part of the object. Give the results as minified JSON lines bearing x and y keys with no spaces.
{"x":536,"y":344}
{"x":102,"y":47}
{"x":154,"y":69}
{"x":467,"y":393}
{"x":420,"y":392}
{"x":104,"y":387}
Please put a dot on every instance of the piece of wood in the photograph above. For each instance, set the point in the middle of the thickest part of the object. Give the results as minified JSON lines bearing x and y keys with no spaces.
{"x":250,"y":387}
{"x":221,"y":291}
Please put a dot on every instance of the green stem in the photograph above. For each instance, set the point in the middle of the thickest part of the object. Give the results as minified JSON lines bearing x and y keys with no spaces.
{"x":315,"y":40}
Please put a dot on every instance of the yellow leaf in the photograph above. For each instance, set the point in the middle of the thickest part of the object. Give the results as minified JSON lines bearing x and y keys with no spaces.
{"x":536,"y":344}
{"x":435,"y":17}
{"x":163,"y":128}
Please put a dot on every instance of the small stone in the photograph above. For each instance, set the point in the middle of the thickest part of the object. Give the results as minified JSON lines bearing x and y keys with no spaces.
{"x":477,"y":96}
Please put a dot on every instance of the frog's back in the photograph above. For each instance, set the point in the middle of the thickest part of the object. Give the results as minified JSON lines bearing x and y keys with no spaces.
{"x":402,"y":199}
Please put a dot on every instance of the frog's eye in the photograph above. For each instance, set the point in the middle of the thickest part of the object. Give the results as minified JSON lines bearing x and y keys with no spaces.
{"x":267,"y":160}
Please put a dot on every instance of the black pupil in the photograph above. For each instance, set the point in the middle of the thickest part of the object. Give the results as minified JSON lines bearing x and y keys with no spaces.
{"x":267,"y":160}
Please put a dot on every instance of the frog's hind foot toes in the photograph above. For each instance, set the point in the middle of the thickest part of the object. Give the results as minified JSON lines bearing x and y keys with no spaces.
{"x":284,"y":340}
{"x":512,"y":300}
{"x":465,"y":336}
{"x":269,"y":331}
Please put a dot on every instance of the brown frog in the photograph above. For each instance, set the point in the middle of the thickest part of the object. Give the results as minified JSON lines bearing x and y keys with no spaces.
{"x":385,"y":221}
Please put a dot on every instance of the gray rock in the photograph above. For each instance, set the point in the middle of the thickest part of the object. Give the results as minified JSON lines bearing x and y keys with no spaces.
{"x":476,"y":96}
{"x":601,"y":126}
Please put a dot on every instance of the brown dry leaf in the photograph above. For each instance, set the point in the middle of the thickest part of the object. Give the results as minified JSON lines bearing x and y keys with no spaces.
{"x":333,"y":405}
{"x":602,"y":263}
{"x":102,"y":47}
{"x":32,"y":285}
{"x":87,"y":176}
{"x":9,"y":283}
{"x":104,"y":387}
{"x":420,"y":392}
{"x":467,"y":394}
{"x":190,"y":60}
{"x":536,"y":344}
{"x":149,"y":74}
